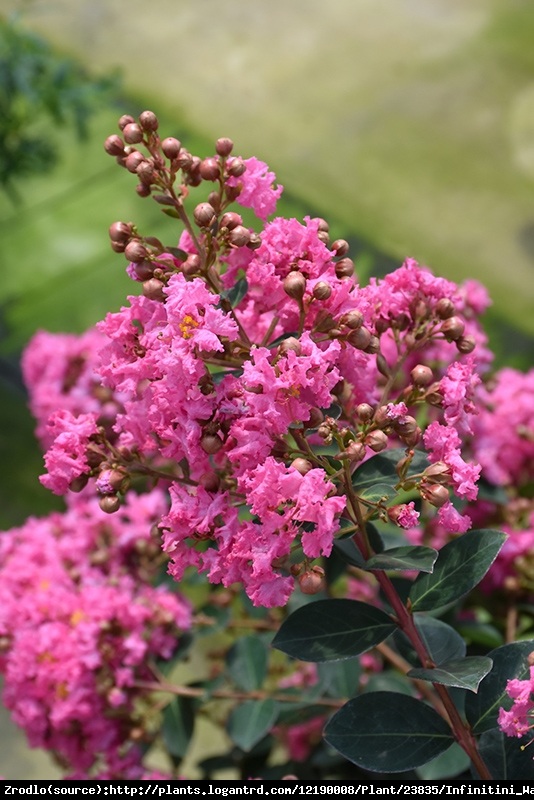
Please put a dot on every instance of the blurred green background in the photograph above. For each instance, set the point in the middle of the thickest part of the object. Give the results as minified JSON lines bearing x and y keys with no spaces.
{"x":408,"y":124}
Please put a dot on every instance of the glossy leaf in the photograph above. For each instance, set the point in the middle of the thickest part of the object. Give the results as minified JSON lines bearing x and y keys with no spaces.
{"x":404,"y":558}
{"x":250,"y":721}
{"x":442,"y":642}
{"x":178,"y":725}
{"x":504,"y":756}
{"x":247,"y":663}
{"x":388,"y":732}
{"x":331,"y":630}
{"x":378,"y":492}
{"x":349,"y":552}
{"x":237,"y":292}
{"x":344,"y":677}
{"x":381,"y":468}
{"x":449,"y":764}
{"x":461,"y":564}
{"x":333,"y":411}
{"x":465,"y":673}
{"x":509,"y":661}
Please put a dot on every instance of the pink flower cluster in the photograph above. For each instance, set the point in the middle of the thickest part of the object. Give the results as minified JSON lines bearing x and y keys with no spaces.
{"x":79,"y":624}
{"x":520,"y":718}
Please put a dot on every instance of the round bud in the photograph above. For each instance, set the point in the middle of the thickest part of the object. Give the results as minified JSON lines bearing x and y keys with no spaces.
{"x":133,"y":161}
{"x":302,"y":465}
{"x":445,"y":308}
{"x":421,"y":375}
{"x":79,"y":483}
{"x":144,"y":270}
{"x":341,"y":247}
{"x":365,"y":412}
{"x":373,"y":347}
{"x":146,"y":173}
{"x":255,"y":241}
{"x":239,"y":236}
{"x":324,"y":237}
{"x":211,"y":443}
{"x":135,"y":251}
{"x":230,"y":220}
{"x":94,"y":455}
{"x":153,"y":289}
{"x":377,"y":441}
{"x":236,"y":168}
{"x":411,"y":439}
{"x":453,"y":328}
{"x":353,"y":320}
{"x":109,"y":503}
{"x":355,"y":452}
{"x":224,"y":146}
{"x":436,"y":495}
{"x":148,"y":121}
{"x":210,"y":481}
{"x":118,"y":247}
{"x":402,"y":321}
{"x":120,"y":232}
{"x":291,"y":343}
{"x":191,"y":265}
{"x":345,"y":268}
{"x":215,"y":201}
{"x":322,"y":290}
{"x":312,"y":581}
{"x":171,"y":147}
{"x":210,"y":169}
{"x":439,"y":471}
{"x":142,"y":190}
{"x":360,"y":339}
{"x":133,"y":133}
{"x":316,"y":417}
{"x":125,"y":120}
{"x":114,"y":146}
{"x":404,"y":426}
{"x":323,"y":224}
{"x":295,"y":285}
{"x":204,"y":215}
{"x":466,"y":344}
{"x":382,"y":325}
{"x":184,"y":160}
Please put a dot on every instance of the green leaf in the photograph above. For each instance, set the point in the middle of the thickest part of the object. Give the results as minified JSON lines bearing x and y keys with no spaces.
{"x":332,"y":630}
{"x":181,"y":255}
{"x":171,"y":212}
{"x":378,"y":492}
{"x":250,"y":721}
{"x":481,"y":633}
{"x":509,"y":661}
{"x":465,"y":673}
{"x":449,"y":764}
{"x":246,"y":662}
{"x":487,"y":491}
{"x":461,"y":564}
{"x":381,"y":468}
{"x":333,"y":411}
{"x":178,"y":724}
{"x":442,"y":642}
{"x":504,"y":756}
{"x":344,"y":677}
{"x":404,"y":558}
{"x":388,"y":732}
{"x":349,"y":552}
{"x":236,"y":293}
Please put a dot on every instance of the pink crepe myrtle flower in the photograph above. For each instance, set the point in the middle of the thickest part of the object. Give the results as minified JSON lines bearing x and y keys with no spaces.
{"x":66,"y":459}
{"x":258,"y":191}
{"x":458,"y":390}
{"x":519,"y":719}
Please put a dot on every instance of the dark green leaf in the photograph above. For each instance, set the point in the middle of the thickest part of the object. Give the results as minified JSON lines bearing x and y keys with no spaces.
{"x":487,"y":491}
{"x":504,"y":756}
{"x":388,"y":732}
{"x":381,"y":468}
{"x":344,"y":677}
{"x":442,"y":642}
{"x":461,"y":564}
{"x":220,"y":617}
{"x":388,"y":681}
{"x":465,"y":673}
{"x":282,"y":338}
{"x":375,"y":540}
{"x":509,"y":661}
{"x":181,"y":255}
{"x":333,"y":411}
{"x":250,"y":721}
{"x":171,"y":212}
{"x":404,"y":558}
{"x":331,"y":630}
{"x":378,"y":492}
{"x":178,"y":724}
{"x":480,"y":633}
{"x":218,"y":377}
{"x":236,"y":293}
{"x":449,"y":764}
{"x":247,"y":663}
{"x":349,"y":552}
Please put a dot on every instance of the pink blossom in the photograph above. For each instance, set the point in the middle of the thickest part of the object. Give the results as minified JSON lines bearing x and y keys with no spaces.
{"x":258,"y":192}
{"x":66,"y":459}
{"x":458,"y":390}
{"x":452,"y":520}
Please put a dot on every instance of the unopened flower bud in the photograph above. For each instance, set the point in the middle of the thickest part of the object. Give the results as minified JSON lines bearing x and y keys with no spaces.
{"x":114,"y":146}
{"x":345,"y":268}
{"x":434,"y":396}
{"x":148,"y":121}
{"x":224,"y":146}
{"x":255,"y":241}
{"x":404,"y":426}
{"x":135,"y":251}
{"x":109,"y":503}
{"x":353,"y":320}
{"x":239,"y":236}
{"x":132,"y":133}
{"x":171,"y":147}
{"x":322,"y":290}
{"x":377,"y":441}
{"x":296,"y":569}
{"x":445,"y":308}
{"x":341,"y":247}
{"x":411,"y":439}
{"x":236,"y":168}
{"x":118,"y":247}
{"x":210,"y":481}
{"x":211,"y":443}
{"x":316,"y":418}
{"x":355,"y":452}
{"x":191,"y":265}
{"x":79,"y":483}
{"x":120,"y":232}
{"x":382,"y":365}
{"x":302,"y":465}
{"x":324,"y":432}
{"x":291,"y":343}
{"x":184,"y":160}
{"x":204,"y":215}
{"x":125,"y":120}
{"x":453,"y":328}
{"x":421,"y":375}
{"x":146,"y":173}
{"x":295,"y":285}
{"x":153,"y":289}
{"x":210,"y":169}
{"x":312,"y":581}
{"x":365,"y":412}
{"x":231,"y":220}
{"x":133,"y":160}
{"x":466,"y":344}
{"x":144,"y":270}
{"x":142,"y":190}
{"x":360,"y":339}
{"x":436,"y":495}
{"x":324,"y":237}
{"x":323,"y":224}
